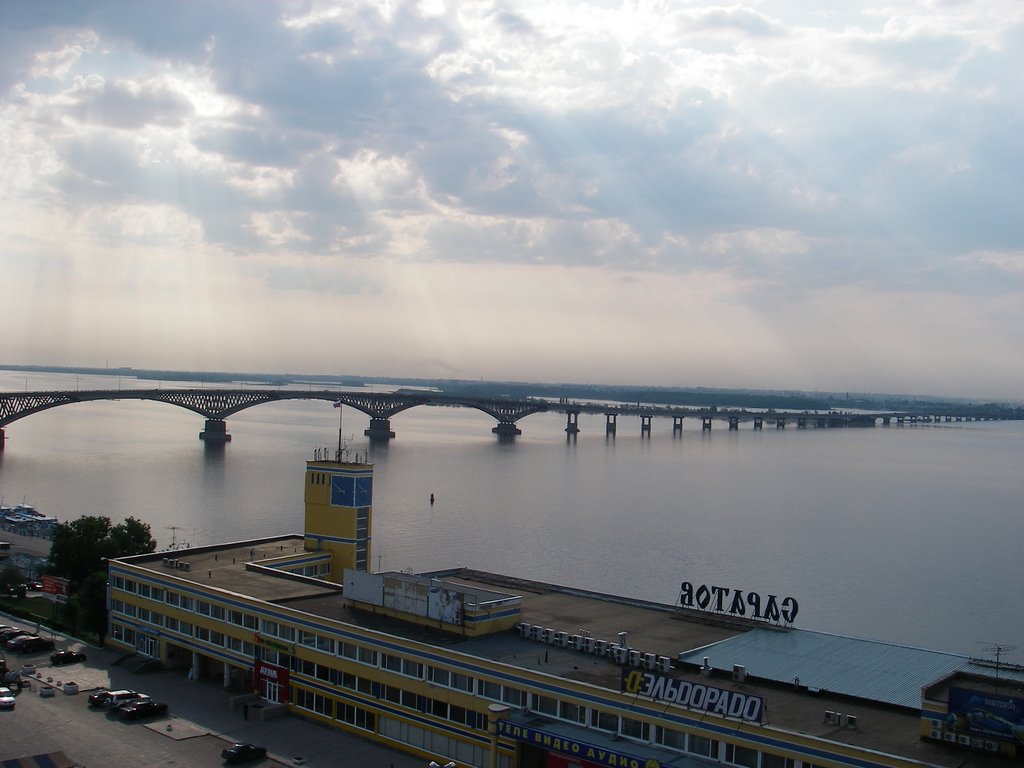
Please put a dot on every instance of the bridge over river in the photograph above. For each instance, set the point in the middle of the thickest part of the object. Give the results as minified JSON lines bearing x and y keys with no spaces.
{"x":216,"y":405}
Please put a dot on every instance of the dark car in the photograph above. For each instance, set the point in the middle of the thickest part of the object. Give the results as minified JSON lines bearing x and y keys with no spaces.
{"x":136,"y":710}
{"x":30,"y":644}
{"x":240,"y":753}
{"x":66,"y":657}
{"x":108,"y":698}
{"x":9,"y":634}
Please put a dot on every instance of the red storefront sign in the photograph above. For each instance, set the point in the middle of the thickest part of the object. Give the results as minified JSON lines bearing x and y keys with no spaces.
{"x":271,"y":681}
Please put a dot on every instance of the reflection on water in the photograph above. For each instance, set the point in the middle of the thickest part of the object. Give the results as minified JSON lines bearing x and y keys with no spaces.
{"x":905,"y":534}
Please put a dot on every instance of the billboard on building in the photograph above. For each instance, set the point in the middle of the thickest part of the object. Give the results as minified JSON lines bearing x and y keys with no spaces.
{"x":986,"y":714}
{"x":55,"y":588}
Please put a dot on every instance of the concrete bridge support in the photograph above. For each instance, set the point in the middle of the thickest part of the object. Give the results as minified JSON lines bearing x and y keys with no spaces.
{"x":677,"y":425}
{"x":780,"y":423}
{"x":645,"y":425}
{"x":734,"y":423}
{"x":572,"y":423}
{"x":379,"y":429}
{"x":609,"y":424}
{"x":801,"y":423}
{"x":216,"y":431}
{"x":506,"y":430}
{"x":3,"y":437}
{"x":758,"y":422}
{"x":705,"y":424}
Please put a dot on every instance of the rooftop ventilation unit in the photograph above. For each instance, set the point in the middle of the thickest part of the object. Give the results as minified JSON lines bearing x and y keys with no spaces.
{"x":830,"y":717}
{"x":635,"y":658}
{"x":600,"y":647}
{"x":525,"y":630}
{"x":949,"y":736}
{"x":588,"y":645}
{"x":963,"y":738}
{"x":538,"y":632}
{"x":851,"y":721}
{"x":739,"y":673}
{"x":620,"y":654}
{"x":650,"y":661}
{"x":576,"y":642}
{"x":561,"y":638}
{"x":706,"y":668}
{"x":664,"y":664}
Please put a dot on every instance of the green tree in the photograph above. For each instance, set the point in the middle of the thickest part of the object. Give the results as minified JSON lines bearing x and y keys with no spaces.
{"x":9,"y":576}
{"x":80,"y":547}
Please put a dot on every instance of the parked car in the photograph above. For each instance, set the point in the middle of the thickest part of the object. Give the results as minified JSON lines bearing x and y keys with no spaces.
{"x":107,"y":698}
{"x":6,"y":698}
{"x":30,"y":644}
{"x":241,"y":753}
{"x":14,"y":644}
{"x":11,"y":632}
{"x":66,"y":657}
{"x":136,"y":710}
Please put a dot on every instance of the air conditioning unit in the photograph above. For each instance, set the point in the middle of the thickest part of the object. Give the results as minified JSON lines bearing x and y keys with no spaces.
{"x":576,"y":642}
{"x":830,"y":717}
{"x":650,"y":661}
{"x":525,"y":630}
{"x":185,"y":566}
{"x":964,"y":739}
{"x":851,"y":721}
{"x":949,"y":736}
{"x":600,"y":648}
{"x":588,"y":645}
{"x":992,"y":746}
{"x":547,"y":635}
{"x":560,"y":638}
{"x":620,"y":654}
{"x":538,"y":632}
{"x":664,"y":664}
{"x":739,"y":673}
{"x":937,"y":724}
{"x":635,"y":658}
{"x":936,"y":734}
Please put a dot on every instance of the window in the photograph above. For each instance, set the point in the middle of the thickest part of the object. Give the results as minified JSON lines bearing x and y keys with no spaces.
{"x":637,"y":729}
{"x":671,"y":739}
{"x":604,"y":721}
{"x":738,"y":755}
{"x":572,"y":712}
{"x":545,"y":705}
{"x":701,"y":745}
{"x":768,"y":760}
{"x":314,"y":702}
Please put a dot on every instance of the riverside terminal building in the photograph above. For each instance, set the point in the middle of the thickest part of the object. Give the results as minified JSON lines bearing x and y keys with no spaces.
{"x":492,"y":671}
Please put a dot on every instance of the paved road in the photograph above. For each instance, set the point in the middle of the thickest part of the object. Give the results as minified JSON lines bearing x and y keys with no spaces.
{"x":200,"y":723}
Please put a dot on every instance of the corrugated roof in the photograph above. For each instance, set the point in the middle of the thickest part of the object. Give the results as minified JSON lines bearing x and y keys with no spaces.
{"x":866,"y":669}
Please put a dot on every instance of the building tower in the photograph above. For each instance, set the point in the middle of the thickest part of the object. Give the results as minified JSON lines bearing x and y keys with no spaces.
{"x":339,"y":498}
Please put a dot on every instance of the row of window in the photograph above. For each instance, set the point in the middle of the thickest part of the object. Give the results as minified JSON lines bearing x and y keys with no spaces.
{"x":174,"y":624}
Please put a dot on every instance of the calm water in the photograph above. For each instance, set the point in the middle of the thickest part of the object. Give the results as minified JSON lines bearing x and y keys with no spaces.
{"x":910,"y":535}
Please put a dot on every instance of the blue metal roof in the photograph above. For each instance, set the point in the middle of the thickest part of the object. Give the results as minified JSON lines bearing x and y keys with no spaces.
{"x":866,"y":669}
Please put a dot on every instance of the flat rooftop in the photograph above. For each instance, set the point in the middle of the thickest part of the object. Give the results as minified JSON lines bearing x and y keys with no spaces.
{"x":880,"y":684}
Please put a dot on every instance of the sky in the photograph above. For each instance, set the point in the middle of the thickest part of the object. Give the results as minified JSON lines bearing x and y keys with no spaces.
{"x":776,"y":195}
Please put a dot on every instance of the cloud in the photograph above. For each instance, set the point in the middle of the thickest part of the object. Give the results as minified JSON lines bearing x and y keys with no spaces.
{"x":342,"y":150}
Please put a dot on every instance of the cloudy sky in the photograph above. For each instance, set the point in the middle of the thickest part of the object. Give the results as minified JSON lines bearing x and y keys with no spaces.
{"x":665,"y":193}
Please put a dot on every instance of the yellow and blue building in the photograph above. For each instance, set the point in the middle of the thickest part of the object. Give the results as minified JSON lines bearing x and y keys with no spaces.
{"x":495,"y":671}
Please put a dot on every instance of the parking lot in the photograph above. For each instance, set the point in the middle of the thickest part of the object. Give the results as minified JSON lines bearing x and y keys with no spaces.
{"x":200,"y":723}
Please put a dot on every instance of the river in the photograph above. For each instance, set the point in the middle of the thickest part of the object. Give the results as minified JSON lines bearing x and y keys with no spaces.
{"x":909,"y":535}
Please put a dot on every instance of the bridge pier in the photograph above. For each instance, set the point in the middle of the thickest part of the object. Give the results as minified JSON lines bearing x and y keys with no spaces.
{"x":801,"y":423}
{"x":677,"y":425}
{"x":572,"y":423}
{"x":705,"y":424}
{"x":734,"y":423}
{"x":758,"y":422}
{"x":379,"y":429}
{"x":609,"y":424}
{"x":780,"y":423}
{"x":3,"y":437}
{"x":506,"y":430}
{"x":645,"y":425}
{"x":216,"y":431}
